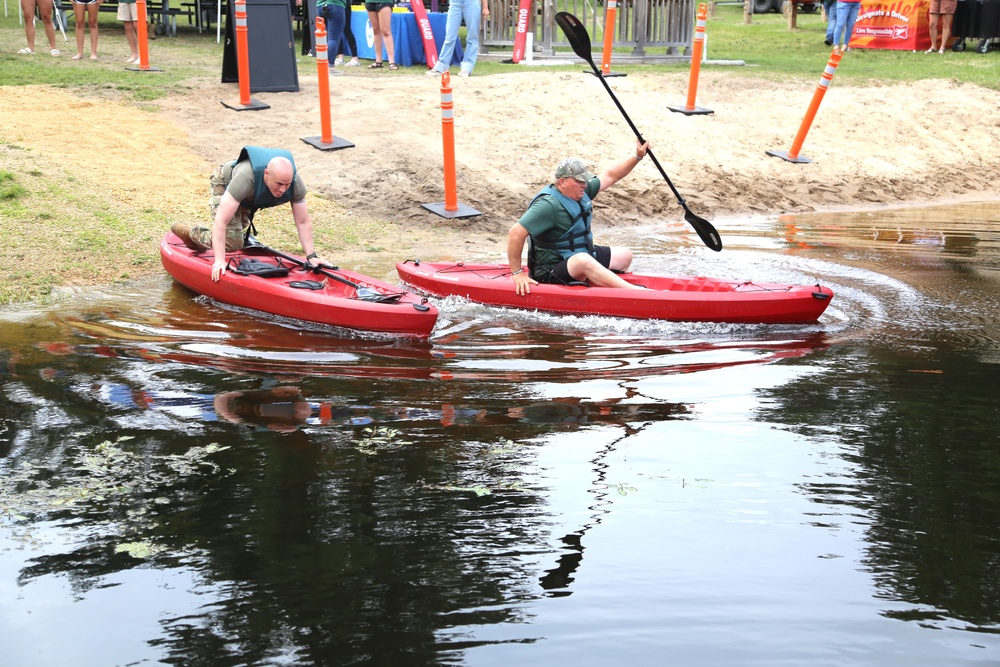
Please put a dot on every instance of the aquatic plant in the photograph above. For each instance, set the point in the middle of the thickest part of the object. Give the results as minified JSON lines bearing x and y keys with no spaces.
{"x":496,"y":469}
{"x":379,"y":439}
{"x":106,"y":485}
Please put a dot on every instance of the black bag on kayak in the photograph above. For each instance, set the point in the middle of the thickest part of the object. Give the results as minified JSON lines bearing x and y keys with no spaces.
{"x":254,"y":267}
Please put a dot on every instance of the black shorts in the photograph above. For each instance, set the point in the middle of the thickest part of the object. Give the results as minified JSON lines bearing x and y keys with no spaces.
{"x":557,"y":274}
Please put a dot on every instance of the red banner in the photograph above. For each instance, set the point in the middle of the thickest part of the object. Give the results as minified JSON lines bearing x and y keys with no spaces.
{"x":901,"y":25}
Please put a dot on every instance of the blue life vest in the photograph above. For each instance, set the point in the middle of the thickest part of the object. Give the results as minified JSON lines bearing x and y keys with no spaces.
{"x":258,"y":158}
{"x":578,"y":238}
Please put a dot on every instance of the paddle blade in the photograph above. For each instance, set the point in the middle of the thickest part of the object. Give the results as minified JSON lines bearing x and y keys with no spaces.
{"x":709,"y":235}
{"x":577,"y":35}
{"x":368,"y":294}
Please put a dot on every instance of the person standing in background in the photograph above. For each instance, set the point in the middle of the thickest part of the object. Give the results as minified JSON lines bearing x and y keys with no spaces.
{"x":472,"y":11}
{"x":943,"y":11}
{"x":348,"y":45}
{"x":85,"y":12}
{"x":45,"y":13}
{"x":830,"y":7}
{"x":847,"y":14}
{"x":334,"y":12}
{"x":380,"y":16}
{"x":128,"y":14}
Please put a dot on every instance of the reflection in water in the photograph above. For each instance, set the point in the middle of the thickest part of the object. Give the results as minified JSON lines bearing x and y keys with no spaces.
{"x":845,"y":473}
{"x":557,"y":580}
{"x":925,"y":456}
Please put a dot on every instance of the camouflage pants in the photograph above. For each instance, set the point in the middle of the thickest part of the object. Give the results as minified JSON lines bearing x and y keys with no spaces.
{"x":236,"y":227}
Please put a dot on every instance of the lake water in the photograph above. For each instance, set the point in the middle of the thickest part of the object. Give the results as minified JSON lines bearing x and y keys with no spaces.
{"x":521,"y":488}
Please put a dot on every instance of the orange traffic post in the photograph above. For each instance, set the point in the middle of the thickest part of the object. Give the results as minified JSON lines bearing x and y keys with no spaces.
{"x":699,"y":47}
{"x":142,"y":37}
{"x":326,"y":141}
{"x":610,"y":9}
{"x":246,"y":102}
{"x":449,"y":208}
{"x":792,"y":154}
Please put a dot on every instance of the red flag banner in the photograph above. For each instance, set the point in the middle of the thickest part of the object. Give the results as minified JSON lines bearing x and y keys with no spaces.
{"x":901,"y":25}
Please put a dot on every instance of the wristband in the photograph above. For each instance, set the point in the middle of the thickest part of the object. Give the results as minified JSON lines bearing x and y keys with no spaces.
{"x":312,"y":255}
{"x":637,"y":158}
{"x":514,"y":273}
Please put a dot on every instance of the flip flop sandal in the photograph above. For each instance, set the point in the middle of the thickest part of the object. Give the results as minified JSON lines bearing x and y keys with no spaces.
{"x":26,"y":52}
{"x":393,"y":67}
{"x":376,"y":65}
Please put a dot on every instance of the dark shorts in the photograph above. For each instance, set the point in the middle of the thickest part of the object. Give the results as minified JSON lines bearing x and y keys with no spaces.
{"x":558,"y":273}
{"x":375,"y":6}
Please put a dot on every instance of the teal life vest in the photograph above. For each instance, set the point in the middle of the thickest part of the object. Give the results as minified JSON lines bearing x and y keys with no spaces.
{"x":578,"y":238}
{"x":258,"y":158}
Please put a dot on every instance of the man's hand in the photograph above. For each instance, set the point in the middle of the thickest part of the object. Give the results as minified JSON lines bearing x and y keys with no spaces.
{"x":523,"y":283}
{"x":319,"y":261}
{"x":218,"y":268}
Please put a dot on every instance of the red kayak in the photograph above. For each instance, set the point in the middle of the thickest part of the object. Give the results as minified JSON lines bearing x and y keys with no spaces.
{"x":675,"y":298}
{"x":338,"y":298}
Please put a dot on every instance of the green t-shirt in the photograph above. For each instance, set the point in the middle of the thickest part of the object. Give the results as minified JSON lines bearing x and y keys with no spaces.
{"x":546,"y":220}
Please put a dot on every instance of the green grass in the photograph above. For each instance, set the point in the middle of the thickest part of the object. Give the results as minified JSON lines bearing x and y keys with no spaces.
{"x":9,"y":187}
{"x":772,"y":51}
{"x":768,"y":48}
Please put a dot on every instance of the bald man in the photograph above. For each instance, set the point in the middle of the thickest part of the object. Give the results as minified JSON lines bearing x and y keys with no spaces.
{"x":258,"y":178}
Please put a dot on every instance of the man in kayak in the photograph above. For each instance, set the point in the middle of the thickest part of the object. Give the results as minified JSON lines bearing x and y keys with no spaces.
{"x":258,"y":178}
{"x":562,"y":246}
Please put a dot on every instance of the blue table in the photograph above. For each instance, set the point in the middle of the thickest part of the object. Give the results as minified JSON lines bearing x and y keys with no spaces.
{"x":405,"y":36}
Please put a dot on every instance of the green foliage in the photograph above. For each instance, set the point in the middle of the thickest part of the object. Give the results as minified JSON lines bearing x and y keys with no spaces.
{"x":108,"y":485}
{"x":495,"y":469}
{"x":9,"y":187}
{"x":622,"y":488}
{"x":379,"y":439}
{"x":139,"y":550}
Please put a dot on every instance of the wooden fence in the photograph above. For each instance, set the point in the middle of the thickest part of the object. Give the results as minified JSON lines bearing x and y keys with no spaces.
{"x":644,"y":30}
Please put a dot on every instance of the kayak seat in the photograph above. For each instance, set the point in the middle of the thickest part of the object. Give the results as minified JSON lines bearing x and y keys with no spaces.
{"x":306,"y":284}
{"x":248,"y":266}
{"x":531,"y":267}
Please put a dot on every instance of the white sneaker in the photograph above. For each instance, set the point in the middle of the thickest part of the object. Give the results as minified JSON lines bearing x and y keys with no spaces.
{"x":434,"y":72}
{"x":465,"y":72}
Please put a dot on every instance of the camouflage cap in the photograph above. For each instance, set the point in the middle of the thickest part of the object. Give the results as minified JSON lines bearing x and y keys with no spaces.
{"x":572,"y":167}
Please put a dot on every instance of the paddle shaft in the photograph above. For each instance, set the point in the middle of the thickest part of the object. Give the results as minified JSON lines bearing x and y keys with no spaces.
{"x":580,"y":41}
{"x":638,"y":135}
{"x":306,"y":265}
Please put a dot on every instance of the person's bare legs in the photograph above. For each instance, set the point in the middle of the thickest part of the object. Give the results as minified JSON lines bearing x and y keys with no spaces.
{"x":80,"y":14}
{"x":582,"y":266}
{"x":28,"y":9}
{"x":945,"y":31}
{"x":132,"y":35}
{"x":385,"y":27}
{"x":933,"y":30}
{"x":377,"y":32}
{"x":45,"y":12}
{"x":92,"y":22}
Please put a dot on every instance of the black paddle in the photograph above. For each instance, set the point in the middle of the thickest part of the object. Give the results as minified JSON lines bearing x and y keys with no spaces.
{"x":363,"y":293}
{"x":578,"y":38}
